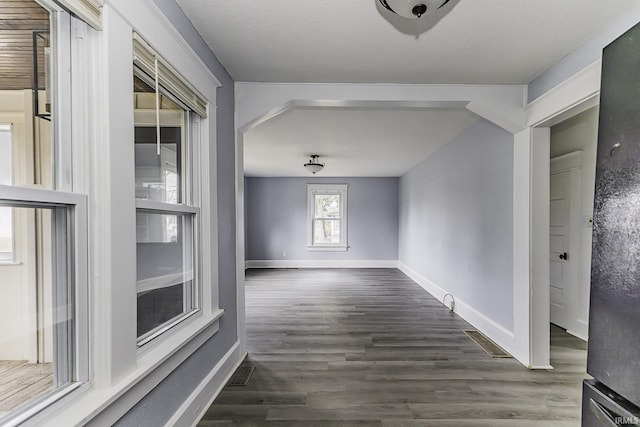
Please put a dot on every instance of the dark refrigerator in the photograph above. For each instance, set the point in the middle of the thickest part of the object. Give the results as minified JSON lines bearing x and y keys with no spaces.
{"x":612,"y":398}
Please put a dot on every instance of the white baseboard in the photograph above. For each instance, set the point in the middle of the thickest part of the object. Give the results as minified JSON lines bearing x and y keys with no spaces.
{"x":195,"y":406}
{"x":499,"y":334}
{"x":321,"y":263}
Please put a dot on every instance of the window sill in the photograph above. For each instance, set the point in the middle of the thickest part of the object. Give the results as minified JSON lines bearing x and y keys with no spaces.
{"x":327,"y":248}
{"x":154,"y":364}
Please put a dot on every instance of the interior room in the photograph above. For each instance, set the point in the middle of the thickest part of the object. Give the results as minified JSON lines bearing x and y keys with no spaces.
{"x":282,"y":213}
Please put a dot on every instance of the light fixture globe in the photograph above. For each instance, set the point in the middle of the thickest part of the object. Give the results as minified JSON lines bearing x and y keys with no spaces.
{"x":413,"y":8}
{"x":313,"y":165}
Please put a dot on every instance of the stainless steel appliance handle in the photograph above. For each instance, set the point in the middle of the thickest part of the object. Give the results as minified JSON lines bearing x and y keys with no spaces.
{"x":602,"y":414}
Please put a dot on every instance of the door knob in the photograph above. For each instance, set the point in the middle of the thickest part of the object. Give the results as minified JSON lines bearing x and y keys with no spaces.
{"x":564,"y":256}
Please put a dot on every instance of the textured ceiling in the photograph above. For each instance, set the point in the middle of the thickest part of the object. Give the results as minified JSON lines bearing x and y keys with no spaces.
{"x":358,"y":41}
{"x":351,"y":141}
{"x":468,"y":41}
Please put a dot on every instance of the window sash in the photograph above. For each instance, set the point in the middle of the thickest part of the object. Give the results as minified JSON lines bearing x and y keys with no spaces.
{"x":71,"y":269}
{"x":189,"y":277}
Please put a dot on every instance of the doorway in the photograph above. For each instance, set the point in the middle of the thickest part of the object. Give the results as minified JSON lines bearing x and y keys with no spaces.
{"x":573,"y":144}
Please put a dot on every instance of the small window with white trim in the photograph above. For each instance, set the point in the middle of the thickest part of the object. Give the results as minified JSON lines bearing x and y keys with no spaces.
{"x":167,"y":113}
{"x":327,"y":217}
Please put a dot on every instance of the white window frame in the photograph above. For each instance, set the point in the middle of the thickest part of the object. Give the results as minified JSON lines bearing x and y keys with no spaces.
{"x":319,"y":189}
{"x":189,"y":205}
{"x":77,"y":270}
{"x":68,"y":192}
{"x":121,"y":372}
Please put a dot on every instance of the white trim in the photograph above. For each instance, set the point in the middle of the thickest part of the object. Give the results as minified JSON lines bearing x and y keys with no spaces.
{"x":327,"y":248}
{"x":564,"y":98}
{"x":104,"y":406}
{"x":501,"y":335}
{"x":240,"y":242}
{"x":568,"y":98}
{"x":539,"y":193}
{"x":316,"y":263}
{"x":209,"y":388}
{"x":499,"y":104}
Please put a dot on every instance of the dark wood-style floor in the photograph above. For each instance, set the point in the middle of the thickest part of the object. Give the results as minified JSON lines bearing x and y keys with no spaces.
{"x":371,"y":348}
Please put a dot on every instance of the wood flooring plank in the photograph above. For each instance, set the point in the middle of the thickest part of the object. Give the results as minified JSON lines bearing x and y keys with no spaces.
{"x":369,"y":347}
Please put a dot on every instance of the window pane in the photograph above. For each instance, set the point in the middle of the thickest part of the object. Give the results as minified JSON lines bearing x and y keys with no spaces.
{"x":28,"y":51}
{"x":165,"y":282}
{"x":36,"y":309}
{"x":158,"y":175}
{"x":327,"y":206}
{"x":326,"y":231}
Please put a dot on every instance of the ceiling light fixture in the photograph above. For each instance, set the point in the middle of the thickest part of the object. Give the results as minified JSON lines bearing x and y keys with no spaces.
{"x":313,"y":165}
{"x":413,"y":8}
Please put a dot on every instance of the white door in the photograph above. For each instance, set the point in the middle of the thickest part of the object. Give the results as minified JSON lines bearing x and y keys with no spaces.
{"x":559,"y":242}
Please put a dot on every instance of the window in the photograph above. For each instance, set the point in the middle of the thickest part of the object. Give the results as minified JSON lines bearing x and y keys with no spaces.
{"x":167,"y":203}
{"x":327,"y":212}
{"x":43,"y":223}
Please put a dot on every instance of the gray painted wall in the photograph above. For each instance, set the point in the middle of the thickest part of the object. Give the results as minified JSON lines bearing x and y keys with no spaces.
{"x":277,"y":218}
{"x":159,"y":405}
{"x":581,"y":57}
{"x":456,"y":221}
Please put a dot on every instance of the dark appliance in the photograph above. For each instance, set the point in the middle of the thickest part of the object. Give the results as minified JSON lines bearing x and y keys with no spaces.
{"x":612,"y":398}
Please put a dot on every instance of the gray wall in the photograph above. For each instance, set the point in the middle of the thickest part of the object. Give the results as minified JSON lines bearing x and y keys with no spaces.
{"x":581,"y":57}
{"x":277,"y":218}
{"x":456,"y":225}
{"x":159,"y":405}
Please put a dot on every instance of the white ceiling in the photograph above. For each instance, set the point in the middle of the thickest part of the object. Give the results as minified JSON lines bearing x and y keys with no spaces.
{"x":351,"y":141}
{"x":358,"y":41}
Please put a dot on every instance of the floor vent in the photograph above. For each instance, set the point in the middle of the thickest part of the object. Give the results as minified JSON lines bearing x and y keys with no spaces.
{"x":241,"y":375}
{"x":487,"y":345}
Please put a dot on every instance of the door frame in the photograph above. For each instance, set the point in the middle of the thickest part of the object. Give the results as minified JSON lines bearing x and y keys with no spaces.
{"x":531,"y":247}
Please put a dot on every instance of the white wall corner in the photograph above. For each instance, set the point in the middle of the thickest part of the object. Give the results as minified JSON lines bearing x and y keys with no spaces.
{"x":521,"y":244}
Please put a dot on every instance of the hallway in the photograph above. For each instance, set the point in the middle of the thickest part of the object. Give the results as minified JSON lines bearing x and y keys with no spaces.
{"x":369,"y":347}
